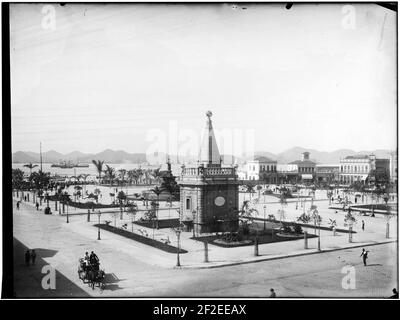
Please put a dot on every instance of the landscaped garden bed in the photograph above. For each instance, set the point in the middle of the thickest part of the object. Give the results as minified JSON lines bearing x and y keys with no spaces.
{"x":142,"y":239}
{"x":85,"y":205}
{"x":162,"y":224}
{"x":265,"y":237}
{"x":307,"y":225}
{"x":378,"y":206}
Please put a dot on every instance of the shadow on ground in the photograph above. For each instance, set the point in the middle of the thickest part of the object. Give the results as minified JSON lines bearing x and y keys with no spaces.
{"x":28,"y":279}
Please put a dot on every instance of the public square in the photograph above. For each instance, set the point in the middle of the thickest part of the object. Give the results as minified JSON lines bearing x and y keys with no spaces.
{"x":136,"y":270}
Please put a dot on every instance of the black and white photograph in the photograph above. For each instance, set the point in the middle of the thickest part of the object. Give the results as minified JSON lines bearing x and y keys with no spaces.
{"x":201,"y":150}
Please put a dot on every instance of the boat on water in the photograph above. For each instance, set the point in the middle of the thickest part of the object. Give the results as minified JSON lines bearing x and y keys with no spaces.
{"x":69,"y":165}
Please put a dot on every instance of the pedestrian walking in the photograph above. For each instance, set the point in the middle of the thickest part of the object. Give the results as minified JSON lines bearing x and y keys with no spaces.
{"x":364,"y":255}
{"x":27,"y":257}
{"x":25,"y":198}
{"x":37,"y":205}
{"x":395,"y":294}
{"x":17,"y":205}
{"x":273,"y":294}
{"x":362,"y":225}
{"x":33,"y":256}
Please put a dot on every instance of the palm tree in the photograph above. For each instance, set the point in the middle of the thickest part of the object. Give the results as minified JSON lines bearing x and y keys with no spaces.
{"x":30,"y":166}
{"x":156,"y":174}
{"x":122,"y":173}
{"x":77,"y":193}
{"x":99,"y":167}
{"x":132,"y":176}
{"x":157,"y":191}
{"x":110,"y":173}
{"x":84,"y":176}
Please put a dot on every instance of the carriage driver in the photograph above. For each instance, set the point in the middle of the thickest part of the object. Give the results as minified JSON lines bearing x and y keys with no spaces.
{"x":94,"y":259}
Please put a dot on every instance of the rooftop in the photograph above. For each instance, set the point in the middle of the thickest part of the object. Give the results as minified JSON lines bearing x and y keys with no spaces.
{"x":305,"y":162}
{"x":358,"y":156}
{"x":263,"y":159}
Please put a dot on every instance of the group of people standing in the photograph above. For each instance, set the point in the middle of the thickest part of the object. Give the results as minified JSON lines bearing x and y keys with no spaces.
{"x":30,"y":257}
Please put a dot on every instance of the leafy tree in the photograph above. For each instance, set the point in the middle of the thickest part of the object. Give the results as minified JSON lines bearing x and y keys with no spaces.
{"x":157,"y":191}
{"x":132,"y":210}
{"x":121,"y":196}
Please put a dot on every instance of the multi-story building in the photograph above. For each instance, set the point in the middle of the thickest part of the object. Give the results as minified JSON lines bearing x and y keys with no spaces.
{"x":363,"y":168}
{"x":356,"y":168}
{"x":328,"y":173}
{"x":305,"y":167}
{"x":262,"y":168}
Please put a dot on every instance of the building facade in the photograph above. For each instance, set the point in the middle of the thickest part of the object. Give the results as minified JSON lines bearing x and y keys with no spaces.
{"x":262,"y":168}
{"x":299,"y":170}
{"x":209,"y":197}
{"x":327,"y":173}
{"x":356,"y":168}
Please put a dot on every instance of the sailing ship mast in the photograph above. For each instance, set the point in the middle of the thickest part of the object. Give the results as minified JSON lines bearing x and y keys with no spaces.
{"x":41,"y":161}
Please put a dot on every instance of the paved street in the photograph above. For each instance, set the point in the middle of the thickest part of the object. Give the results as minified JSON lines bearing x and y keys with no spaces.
{"x":127,"y":274}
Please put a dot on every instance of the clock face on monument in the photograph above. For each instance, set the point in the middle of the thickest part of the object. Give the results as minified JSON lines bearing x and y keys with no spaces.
{"x":219,"y":201}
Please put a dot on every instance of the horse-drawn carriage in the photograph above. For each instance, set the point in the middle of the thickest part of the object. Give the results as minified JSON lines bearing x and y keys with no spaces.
{"x":91,"y":273}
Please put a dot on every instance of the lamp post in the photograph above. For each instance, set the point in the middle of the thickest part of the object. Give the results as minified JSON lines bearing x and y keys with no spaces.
{"x":67,"y":213}
{"x":256,"y":244}
{"x":178,"y":235}
{"x":265,"y":207}
{"x":98,"y":226}
{"x":194,"y":217}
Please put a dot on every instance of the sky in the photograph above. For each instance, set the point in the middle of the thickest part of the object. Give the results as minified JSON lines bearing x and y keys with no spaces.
{"x":94,"y":77}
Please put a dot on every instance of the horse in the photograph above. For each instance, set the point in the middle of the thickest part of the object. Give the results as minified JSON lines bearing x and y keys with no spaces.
{"x":96,"y":277}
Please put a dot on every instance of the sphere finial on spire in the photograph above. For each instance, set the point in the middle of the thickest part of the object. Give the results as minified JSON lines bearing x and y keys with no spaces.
{"x":209,"y":114}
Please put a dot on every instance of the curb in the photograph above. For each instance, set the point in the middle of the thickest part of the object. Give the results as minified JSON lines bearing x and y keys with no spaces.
{"x":285,"y":257}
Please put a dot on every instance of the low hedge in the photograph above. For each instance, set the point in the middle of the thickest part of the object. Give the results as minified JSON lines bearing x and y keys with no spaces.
{"x":162,"y":224}
{"x":145,"y":240}
{"x":85,"y":205}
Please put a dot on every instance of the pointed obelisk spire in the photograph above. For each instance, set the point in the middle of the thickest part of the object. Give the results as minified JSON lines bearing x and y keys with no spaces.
{"x":209,"y":153}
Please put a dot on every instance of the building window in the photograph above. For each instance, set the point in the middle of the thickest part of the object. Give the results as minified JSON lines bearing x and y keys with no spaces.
{"x":188,"y":203}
